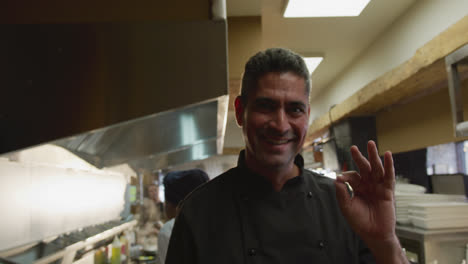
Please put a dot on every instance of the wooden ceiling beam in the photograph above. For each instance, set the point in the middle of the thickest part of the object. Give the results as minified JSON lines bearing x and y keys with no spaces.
{"x":424,"y":71}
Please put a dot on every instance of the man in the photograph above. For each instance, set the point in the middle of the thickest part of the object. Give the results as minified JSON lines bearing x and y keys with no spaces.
{"x":269,"y":209}
{"x":177,"y":185}
{"x":150,"y":216}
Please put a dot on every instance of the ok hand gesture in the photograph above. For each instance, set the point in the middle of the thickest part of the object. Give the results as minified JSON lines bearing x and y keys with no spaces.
{"x":366,"y":199}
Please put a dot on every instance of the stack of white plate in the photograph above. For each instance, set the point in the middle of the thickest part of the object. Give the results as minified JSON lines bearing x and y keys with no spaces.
{"x":433,"y":215}
{"x":404,"y":200}
{"x":401,"y":187}
{"x":402,"y":205}
{"x":404,"y":194}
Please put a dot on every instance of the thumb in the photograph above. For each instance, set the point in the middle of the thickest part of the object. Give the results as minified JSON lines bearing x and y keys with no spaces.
{"x":342,"y":196}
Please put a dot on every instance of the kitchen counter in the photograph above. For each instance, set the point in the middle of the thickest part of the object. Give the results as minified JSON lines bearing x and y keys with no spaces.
{"x":446,"y":245}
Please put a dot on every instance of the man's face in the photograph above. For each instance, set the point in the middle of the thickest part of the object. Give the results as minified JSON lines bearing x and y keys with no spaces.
{"x":275,"y":120}
{"x":153,"y":192}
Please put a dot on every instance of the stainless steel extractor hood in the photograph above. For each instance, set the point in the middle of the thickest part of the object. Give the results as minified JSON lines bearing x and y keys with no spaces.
{"x":150,"y":94}
{"x":156,"y":141}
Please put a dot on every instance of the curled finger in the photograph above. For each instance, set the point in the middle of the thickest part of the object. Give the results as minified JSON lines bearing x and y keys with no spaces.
{"x":352,"y":177}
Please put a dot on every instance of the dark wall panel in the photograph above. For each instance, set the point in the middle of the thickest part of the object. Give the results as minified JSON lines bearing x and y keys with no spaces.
{"x":353,"y":131}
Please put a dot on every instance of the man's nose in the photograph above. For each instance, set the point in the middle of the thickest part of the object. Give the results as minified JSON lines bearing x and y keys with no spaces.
{"x":280,"y":122}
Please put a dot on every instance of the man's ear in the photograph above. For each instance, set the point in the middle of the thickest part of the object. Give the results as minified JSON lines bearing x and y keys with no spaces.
{"x":239,"y":110}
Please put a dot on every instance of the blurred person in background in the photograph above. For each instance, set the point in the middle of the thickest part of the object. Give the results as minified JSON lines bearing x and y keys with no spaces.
{"x":177,"y":185}
{"x":150,"y":216}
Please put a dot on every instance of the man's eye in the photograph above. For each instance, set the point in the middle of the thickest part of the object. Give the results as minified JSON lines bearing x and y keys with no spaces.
{"x":297,"y":110}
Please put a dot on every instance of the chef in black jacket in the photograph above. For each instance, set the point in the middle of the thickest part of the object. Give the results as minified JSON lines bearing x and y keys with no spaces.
{"x":269,"y":209}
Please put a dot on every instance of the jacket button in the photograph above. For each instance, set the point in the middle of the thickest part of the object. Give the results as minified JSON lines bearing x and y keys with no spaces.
{"x":321,"y":244}
{"x":309,"y":195}
{"x":252,"y":252}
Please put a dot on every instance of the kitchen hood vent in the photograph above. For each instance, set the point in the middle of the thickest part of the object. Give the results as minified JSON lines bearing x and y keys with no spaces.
{"x":156,"y":141}
{"x":150,"y":94}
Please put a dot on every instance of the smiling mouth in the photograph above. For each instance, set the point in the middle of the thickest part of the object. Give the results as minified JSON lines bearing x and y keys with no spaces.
{"x":278,"y":141}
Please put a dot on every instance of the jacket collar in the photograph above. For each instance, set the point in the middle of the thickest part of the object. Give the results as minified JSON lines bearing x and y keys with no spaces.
{"x":257,"y":182}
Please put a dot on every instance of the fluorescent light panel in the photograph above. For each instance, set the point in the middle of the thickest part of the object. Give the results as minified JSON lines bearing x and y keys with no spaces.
{"x":312,"y":63}
{"x":324,"y":8}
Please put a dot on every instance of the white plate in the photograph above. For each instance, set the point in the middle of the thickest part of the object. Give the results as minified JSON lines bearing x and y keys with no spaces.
{"x":438,"y":223}
{"x":409,"y":188}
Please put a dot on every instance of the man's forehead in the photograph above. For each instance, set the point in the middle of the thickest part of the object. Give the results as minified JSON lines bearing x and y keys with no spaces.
{"x":282,"y":78}
{"x":285,"y":74}
{"x":273,"y":100}
{"x":272,"y":85}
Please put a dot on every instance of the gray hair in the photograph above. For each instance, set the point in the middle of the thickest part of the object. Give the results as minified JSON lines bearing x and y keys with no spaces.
{"x":272,"y":60}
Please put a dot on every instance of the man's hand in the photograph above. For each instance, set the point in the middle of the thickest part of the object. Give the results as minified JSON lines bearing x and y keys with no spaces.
{"x":371,"y":210}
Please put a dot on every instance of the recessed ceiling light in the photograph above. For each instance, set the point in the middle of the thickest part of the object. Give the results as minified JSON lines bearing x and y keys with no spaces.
{"x":312,"y":63}
{"x":324,"y":8}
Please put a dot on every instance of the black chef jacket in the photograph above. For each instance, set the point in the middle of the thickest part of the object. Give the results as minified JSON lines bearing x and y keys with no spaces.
{"x":239,"y":218}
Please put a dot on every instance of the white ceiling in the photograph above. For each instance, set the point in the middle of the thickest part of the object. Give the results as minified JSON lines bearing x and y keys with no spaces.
{"x":339,"y":39}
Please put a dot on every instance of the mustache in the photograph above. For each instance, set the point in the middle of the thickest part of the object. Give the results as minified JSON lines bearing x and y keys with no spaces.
{"x":273,"y":133}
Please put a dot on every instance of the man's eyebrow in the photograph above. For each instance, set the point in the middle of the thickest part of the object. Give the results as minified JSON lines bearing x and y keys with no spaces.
{"x":264,"y":100}
{"x":297,"y":103}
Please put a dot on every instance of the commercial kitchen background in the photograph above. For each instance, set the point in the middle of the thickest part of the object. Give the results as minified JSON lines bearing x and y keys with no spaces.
{"x":384,"y":69}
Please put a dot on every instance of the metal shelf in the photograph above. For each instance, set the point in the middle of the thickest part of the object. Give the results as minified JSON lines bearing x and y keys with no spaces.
{"x":452,"y":61}
{"x":68,"y":254}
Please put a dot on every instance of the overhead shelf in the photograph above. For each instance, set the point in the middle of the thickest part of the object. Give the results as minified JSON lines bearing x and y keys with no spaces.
{"x":422,"y":73}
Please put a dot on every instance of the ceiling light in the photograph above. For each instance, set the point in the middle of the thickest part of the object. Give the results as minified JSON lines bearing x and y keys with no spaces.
{"x":324,"y":8}
{"x":312,"y":63}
